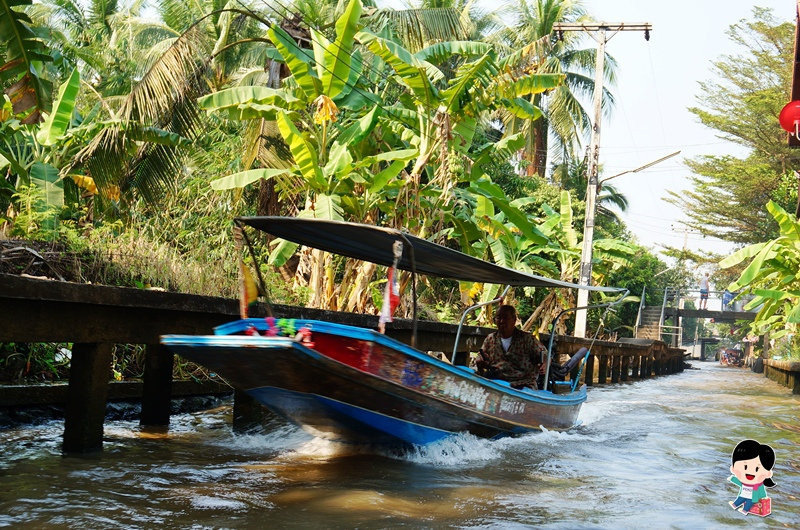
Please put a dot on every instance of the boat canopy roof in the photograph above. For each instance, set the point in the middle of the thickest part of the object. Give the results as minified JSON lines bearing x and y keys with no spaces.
{"x":375,"y":244}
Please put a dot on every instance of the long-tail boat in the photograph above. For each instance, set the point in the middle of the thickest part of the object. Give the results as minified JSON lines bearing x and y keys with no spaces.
{"x":354,"y":384}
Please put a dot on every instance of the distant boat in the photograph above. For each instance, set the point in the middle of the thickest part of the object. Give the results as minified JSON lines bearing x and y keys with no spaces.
{"x":354,"y":384}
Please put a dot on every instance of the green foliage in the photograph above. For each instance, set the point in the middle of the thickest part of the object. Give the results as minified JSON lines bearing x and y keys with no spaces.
{"x":530,"y":40}
{"x":742,"y":104}
{"x":786,"y":348}
{"x":364,"y":129}
{"x":23,"y":57}
{"x":771,"y":276}
{"x":35,"y":219}
{"x":45,"y":362}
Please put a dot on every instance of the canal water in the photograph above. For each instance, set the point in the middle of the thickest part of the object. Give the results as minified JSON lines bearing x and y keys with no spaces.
{"x":650,"y":454}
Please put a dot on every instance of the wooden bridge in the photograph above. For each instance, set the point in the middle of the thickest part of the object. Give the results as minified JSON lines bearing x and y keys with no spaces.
{"x":652,"y":322}
{"x":94,"y":318}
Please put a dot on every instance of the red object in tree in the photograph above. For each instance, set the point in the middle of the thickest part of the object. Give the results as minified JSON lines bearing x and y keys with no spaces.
{"x":790,"y":117}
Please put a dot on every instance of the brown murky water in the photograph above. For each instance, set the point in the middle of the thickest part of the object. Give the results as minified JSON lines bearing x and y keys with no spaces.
{"x":652,"y":454}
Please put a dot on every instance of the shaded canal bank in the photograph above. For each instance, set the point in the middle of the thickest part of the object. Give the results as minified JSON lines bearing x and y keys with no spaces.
{"x":654,"y":452}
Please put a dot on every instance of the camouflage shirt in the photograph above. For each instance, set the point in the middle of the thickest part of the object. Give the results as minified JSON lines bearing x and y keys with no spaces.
{"x":519,"y":365}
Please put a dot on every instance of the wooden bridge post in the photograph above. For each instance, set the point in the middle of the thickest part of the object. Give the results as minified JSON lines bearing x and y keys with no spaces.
{"x":635,"y":361}
{"x":601,"y":375}
{"x":644,"y":366}
{"x":87,"y":393}
{"x":156,"y":385}
{"x":626,"y":364}
{"x":616,"y":361}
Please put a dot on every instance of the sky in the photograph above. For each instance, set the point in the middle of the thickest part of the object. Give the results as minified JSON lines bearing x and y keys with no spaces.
{"x":657,"y":82}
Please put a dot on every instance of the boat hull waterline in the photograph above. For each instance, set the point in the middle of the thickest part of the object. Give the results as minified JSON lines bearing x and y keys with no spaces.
{"x":351,"y":384}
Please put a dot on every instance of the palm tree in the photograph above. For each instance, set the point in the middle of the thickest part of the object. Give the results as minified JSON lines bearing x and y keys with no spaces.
{"x":565,"y":121}
{"x":187,"y":56}
{"x":571,"y":175}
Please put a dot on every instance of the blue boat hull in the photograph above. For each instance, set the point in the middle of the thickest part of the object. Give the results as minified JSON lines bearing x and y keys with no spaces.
{"x":355,"y":385}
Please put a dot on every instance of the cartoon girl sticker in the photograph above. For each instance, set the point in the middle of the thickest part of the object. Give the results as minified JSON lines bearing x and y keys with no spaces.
{"x":751,"y":465}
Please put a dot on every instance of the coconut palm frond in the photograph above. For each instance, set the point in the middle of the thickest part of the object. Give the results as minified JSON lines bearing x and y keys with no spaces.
{"x":156,"y":167}
{"x":566,"y":115}
{"x":418,"y":28}
{"x":179,"y":14}
{"x":170,"y":79}
{"x":62,"y":14}
{"x":583,"y":61}
{"x":147,"y":35}
{"x":164,"y":99}
{"x":611,"y":196}
{"x":264,"y":143}
{"x":582,"y":85}
{"x":608,"y":214}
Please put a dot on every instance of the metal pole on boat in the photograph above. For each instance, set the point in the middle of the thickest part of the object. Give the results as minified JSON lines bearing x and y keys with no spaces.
{"x":413,"y":262}
{"x":553,"y":331}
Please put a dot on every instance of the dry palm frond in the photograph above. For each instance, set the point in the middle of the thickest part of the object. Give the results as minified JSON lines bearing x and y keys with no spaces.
{"x":529,"y":58}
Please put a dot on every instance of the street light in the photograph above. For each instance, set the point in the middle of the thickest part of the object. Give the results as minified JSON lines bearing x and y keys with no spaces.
{"x":592,"y":189}
{"x":638,"y":169}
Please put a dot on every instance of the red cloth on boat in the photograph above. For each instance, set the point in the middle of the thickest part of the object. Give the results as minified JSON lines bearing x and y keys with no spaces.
{"x":519,"y":365}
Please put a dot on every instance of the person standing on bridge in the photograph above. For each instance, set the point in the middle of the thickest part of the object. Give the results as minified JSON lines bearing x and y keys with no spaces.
{"x":704,"y":292}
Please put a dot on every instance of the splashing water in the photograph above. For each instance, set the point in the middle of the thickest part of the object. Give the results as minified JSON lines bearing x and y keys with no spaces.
{"x":652,"y":453}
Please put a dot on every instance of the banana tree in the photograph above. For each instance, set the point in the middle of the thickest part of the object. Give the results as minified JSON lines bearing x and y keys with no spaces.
{"x":562,"y":255}
{"x":440,"y":116}
{"x":390,"y":163}
{"x":337,"y":174}
{"x":32,"y":155}
{"x":772,"y":277}
{"x":22,"y":62}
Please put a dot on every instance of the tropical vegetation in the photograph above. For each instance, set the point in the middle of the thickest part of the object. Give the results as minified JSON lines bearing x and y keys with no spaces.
{"x":139,"y":134}
{"x":742,"y":103}
{"x":771,"y":275}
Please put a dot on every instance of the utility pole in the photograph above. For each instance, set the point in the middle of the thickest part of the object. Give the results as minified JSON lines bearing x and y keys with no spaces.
{"x":686,"y":231}
{"x":598,"y":32}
